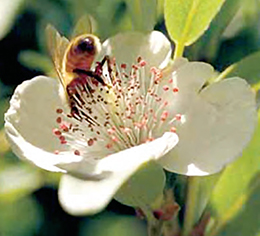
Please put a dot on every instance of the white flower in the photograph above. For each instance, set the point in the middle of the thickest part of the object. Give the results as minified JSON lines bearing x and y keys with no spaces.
{"x":119,"y":128}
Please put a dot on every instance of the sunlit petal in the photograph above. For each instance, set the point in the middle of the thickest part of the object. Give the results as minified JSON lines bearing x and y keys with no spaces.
{"x":154,"y":48}
{"x":219,"y":124}
{"x":79,"y":196}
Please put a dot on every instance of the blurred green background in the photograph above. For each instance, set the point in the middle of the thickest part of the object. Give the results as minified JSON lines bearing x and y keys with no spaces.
{"x":28,"y":196}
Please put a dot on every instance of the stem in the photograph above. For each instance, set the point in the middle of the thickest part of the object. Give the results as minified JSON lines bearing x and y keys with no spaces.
{"x":187,"y":27}
{"x":155,"y":228}
{"x":179,"y":48}
{"x":225,"y":73}
{"x":171,"y":228}
{"x":190,"y":207}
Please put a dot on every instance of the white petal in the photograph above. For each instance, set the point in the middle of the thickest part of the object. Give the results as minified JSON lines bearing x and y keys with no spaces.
{"x":191,"y":76}
{"x":218,"y":126}
{"x":80,"y":197}
{"x":154,"y":48}
{"x":194,"y":171}
{"x":39,"y":157}
{"x":30,"y":119}
{"x":85,"y":168}
{"x":189,"y":79}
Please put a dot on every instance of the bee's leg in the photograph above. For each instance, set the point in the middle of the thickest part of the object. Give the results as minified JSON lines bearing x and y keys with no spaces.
{"x":91,"y":74}
{"x":99,"y":67}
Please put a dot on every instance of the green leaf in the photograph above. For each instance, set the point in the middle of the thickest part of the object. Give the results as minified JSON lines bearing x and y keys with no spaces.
{"x":248,"y":68}
{"x":85,"y":25}
{"x":246,"y":221}
{"x":4,"y":104}
{"x":160,"y":8}
{"x":4,"y":92}
{"x":234,"y":187}
{"x":143,"y":14}
{"x":36,"y":61}
{"x":21,"y":217}
{"x":207,"y":46}
{"x":109,"y":224}
{"x":187,"y":20}
{"x":109,"y":15}
{"x":17,"y":181}
{"x":4,"y":145}
{"x":138,"y":190}
{"x":204,"y":187}
{"x":8,"y":12}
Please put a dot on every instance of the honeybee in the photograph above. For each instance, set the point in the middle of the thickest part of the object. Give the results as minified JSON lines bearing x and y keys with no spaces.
{"x":74,"y":58}
{"x":73,"y":61}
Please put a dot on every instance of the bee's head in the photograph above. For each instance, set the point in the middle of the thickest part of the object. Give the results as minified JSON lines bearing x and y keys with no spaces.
{"x":87,"y":44}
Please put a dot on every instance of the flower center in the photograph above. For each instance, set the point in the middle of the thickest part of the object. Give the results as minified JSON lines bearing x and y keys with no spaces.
{"x":129,"y":109}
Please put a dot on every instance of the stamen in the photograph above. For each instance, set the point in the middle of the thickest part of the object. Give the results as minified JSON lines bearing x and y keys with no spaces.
{"x":149,"y":140}
{"x":123,"y":66}
{"x":109,"y":146}
{"x":166,"y":88}
{"x":173,"y":129}
{"x":59,"y":110}
{"x":164,"y":115}
{"x":64,"y":126}
{"x":56,"y":132}
{"x":56,"y":152}
{"x":135,"y":67}
{"x":114,"y":139}
{"x":123,"y":113}
{"x":139,"y":59}
{"x":77,"y":152}
{"x":90,"y":142}
{"x":62,"y":140}
{"x":175,"y":90}
{"x":142,"y":63}
{"x":59,"y":120}
{"x":178,"y":117}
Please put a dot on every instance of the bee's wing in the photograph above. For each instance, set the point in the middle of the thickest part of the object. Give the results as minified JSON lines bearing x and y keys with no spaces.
{"x":85,"y":25}
{"x":57,"y":46}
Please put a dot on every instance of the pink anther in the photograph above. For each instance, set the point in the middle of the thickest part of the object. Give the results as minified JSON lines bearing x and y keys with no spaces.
{"x":175,"y":89}
{"x":164,"y":115}
{"x":165,"y":88}
{"x":77,"y":152}
{"x":90,"y":142}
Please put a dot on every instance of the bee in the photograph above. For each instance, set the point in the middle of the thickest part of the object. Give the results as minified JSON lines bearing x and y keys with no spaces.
{"x":74,"y":58}
{"x":73,"y":61}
